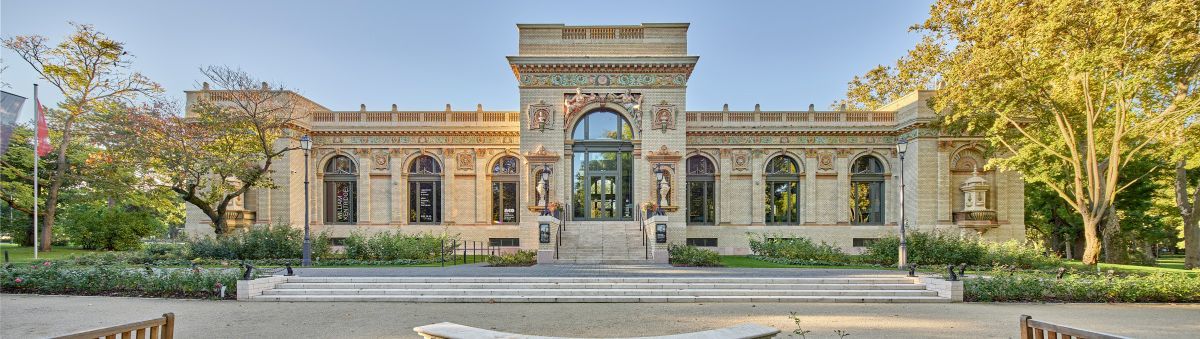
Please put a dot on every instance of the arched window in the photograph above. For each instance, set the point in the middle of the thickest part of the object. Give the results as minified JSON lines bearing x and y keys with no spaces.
{"x":602,"y":156}
{"x":866,"y":191}
{"x":504,"y":190}
{"x":701,"y":191}
{"x":341,"y":191}
{"x":602,"y":125}
{"x":783,"y":191}
{"x":425,"y":190}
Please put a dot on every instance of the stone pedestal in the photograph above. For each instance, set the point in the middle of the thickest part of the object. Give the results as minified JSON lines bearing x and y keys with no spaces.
{"x":658,"y":251}
{"x":545,"y":252}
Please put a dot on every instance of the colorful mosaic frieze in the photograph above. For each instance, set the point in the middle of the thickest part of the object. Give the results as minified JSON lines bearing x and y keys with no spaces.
{"x":920,"y":133}
{"x":603,"y":80}
{"x":416,"y":140}
{"x":788,"y":140}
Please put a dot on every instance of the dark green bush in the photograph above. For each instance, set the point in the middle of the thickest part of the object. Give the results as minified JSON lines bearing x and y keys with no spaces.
{"x":518,"y":258}
{"x":949,"y":248}
{"x":693,"y":256}
{"x":398,"y":245}
{"x":259,"y":242}
{"x":1024,"y":286}
{"x":798,"y":250}
{"x":97,"y":226}
{"x":62,"y":277}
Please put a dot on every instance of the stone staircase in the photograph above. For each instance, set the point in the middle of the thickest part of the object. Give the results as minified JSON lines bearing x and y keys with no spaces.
{"x":602,"y":242}
{"x":600,"y":289}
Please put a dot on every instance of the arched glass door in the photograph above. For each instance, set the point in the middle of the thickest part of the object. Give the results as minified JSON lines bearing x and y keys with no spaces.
{"x":603,"y":168}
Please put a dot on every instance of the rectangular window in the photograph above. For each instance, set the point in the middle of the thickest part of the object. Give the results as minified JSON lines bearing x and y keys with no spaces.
{"x":424,"y":202}
{"x":864,"y":242}
{"x":504,"y":202}
{"x":702,"y":242}
{"x":504,"y":242}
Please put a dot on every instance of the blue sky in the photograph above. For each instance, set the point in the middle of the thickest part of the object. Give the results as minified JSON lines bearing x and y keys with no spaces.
{"x":423,"y":55}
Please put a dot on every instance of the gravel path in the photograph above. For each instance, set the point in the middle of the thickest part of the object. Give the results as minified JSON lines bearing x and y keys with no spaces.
{"x":26,"y":316}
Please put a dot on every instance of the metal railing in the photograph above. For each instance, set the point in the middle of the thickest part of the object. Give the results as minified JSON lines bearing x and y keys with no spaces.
{"x":471,"y":251}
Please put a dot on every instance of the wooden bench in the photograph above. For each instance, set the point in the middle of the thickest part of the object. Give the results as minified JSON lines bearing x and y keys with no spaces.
{"x":449,"y":330}
{"x":1034,"y":329}
{"x":157,"y":328}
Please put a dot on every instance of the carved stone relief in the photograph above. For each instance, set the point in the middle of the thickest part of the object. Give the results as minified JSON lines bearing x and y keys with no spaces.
{"x":541,"y":116}
{"x":664,"y":117}
{"x":631,"y":102}
{"x":825,"y":161}
{"x":465,"y":161}
{"x":379,"y":160}
{"x":741,"y":161}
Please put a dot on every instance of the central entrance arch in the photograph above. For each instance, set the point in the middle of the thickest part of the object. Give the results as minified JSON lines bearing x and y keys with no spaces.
{"x":602,"y":180}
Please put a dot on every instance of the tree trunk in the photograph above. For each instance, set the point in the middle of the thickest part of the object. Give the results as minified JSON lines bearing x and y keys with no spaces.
{"x":1111,"y":225}
{"x":1091,"y":241}
{"x":1191,"y":216}
{"x":1070,"y":248}
{"x":1191,"y":242}
{"x":55,"y":184}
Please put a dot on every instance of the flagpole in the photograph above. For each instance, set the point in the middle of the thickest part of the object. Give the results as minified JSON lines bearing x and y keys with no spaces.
{"x":36,"y":109}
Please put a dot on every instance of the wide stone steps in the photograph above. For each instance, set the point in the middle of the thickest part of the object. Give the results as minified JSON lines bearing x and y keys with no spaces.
{"x":602,"y":242}
{"x":600,"y":289}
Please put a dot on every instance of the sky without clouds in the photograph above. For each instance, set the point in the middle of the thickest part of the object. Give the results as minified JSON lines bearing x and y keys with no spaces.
{"x":423,"y":55}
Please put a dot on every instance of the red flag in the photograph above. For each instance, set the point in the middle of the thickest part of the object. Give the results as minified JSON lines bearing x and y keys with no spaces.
{"x":43,"y":133}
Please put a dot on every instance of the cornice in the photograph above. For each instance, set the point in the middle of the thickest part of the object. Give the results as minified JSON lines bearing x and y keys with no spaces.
{"x":421,"y":133}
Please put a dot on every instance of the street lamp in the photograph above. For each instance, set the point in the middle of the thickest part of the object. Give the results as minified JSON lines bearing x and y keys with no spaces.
{"x":306,"y":145}
{"x":658,"y":178}
{"x":546,"y":190}
{"x":902,"y":147}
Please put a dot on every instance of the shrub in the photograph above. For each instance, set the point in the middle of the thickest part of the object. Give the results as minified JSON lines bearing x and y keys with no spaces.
{"x":97,"y":226}
{"x":259,"y":242}
{"x":949,"y":248}
{"x":797,"y":250}
{"x":397,"y":245}
{"x":518,"y":258}
{"x":1082,"y":287}
{"x":693,"y":256}
{"x":117,"y":280}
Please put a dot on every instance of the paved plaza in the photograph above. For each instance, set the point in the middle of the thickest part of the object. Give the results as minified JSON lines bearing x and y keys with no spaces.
{"x":25,"y":316}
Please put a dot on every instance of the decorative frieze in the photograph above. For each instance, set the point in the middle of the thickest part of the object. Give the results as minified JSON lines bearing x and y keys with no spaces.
{"x":603,"y":80}
{"x":416,"y":140}
{"x":789,"y":140}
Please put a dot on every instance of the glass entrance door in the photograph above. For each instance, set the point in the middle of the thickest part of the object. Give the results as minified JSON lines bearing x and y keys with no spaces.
{"x":603,"y":185}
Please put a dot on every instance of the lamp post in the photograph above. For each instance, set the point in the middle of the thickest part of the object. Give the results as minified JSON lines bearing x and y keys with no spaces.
{"x":306,"y":145}
{"x":658,"y":178}
{"x":546,"y":190}
{"x":902,"y":147}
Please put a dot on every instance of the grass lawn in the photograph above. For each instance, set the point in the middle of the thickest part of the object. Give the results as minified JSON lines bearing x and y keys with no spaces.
{"x":1171,"y":264}
{"x":24,"y":254}
{"x":748,"y":262}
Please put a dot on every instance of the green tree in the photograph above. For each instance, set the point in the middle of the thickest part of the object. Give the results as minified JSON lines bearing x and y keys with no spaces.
{"x":223,"y":147}
{"x":90,"y":70}
{"x":1073,"y":90}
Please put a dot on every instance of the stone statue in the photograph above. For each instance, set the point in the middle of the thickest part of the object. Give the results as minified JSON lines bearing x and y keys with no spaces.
{"x":542,"y":193}
{"x":664,"y":189}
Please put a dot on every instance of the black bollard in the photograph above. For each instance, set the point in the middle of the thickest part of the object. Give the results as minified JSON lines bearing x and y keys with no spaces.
{"x":289,"y":270}
{"x":912,"y":270}
{"x":6,"y":256}
{"x":1061,"y":272}
{"x":950,"y":269}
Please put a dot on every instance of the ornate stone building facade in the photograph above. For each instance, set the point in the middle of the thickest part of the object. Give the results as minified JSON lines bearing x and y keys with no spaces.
{"x":603,"y":113}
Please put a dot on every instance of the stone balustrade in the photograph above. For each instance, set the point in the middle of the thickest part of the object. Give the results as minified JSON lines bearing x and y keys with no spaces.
{"x":414,"y":118}
{"x":723,"y":119}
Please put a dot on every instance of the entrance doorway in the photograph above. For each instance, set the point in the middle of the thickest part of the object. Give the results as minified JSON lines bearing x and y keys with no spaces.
{"x":603,"y":168}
